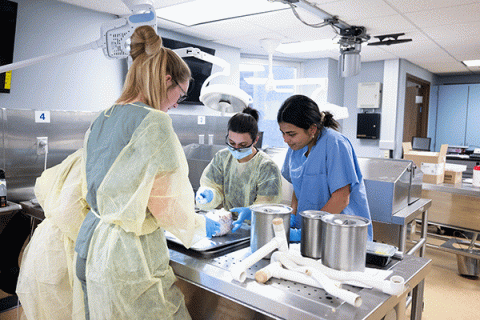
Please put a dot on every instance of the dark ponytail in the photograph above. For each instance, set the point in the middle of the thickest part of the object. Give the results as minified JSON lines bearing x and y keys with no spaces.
{"x":329,"y":122}
{"x":245,"y":122}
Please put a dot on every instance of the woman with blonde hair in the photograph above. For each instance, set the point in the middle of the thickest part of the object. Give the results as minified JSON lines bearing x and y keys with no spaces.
{"x":137,"y":187}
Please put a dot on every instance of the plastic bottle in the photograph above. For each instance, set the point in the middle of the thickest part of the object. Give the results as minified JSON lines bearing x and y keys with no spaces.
{"x":476,"y":176}
{"x":3,"y":189}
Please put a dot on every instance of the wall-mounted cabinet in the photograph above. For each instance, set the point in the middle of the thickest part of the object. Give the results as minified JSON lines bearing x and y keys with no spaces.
{"x":458,"y":115}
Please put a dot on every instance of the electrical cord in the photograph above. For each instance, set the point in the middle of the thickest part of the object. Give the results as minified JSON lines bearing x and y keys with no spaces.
{"x":313,"y":25}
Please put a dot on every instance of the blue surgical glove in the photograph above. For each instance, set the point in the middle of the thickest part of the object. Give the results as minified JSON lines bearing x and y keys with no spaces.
{"x":292,"y":220}
{"x":204,"y":195}
{"x":295,"y":235}
{"x":213,"y":227}
{"x":244,"y":213}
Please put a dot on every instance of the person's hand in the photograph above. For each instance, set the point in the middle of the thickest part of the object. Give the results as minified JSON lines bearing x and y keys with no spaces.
{"x":244,"y":213}
{"x":204,"y":195}
{"x":295,"y":235}
{"x":213,"y":227}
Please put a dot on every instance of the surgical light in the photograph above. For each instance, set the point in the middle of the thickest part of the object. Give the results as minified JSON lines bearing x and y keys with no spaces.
{"x":220,"y":97}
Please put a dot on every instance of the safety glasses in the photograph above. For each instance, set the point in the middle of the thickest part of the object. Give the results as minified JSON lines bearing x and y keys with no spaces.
{"x":227,"y":142}
{"x":184,"y":96}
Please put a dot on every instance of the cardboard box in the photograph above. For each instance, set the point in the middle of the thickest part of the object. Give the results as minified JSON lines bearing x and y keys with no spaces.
{"x":453,"y":173}
{"x":432,"y":164}
{"x":452,"y":177}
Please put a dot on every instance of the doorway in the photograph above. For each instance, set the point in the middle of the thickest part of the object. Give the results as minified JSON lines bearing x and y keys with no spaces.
{"x":417,"y":96}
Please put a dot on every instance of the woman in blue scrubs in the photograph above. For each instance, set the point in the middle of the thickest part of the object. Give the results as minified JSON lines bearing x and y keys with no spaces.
{"x":320,"y":163}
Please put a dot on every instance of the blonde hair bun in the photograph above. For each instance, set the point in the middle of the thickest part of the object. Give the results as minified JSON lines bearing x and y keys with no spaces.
{"x":145,"y":40}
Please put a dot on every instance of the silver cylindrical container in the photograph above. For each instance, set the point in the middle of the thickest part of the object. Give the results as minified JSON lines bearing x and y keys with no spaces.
{"x":262,"y":228}
{"x":344,"y":242}
{"x":311,"y":241}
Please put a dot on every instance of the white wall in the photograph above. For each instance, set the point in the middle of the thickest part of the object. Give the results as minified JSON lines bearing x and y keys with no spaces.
{"x":369,"y":72}
{"x":86,"y":81}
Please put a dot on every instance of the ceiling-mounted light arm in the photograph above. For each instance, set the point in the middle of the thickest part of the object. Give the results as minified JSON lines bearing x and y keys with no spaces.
{"x":114,"y":38}
{"x":199,"y":54}
{"x":221,"y":97}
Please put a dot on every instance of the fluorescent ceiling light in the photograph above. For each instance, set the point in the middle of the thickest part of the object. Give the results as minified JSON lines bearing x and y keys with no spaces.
{"x":245,"y":67}
{"x":472,"y":63}
{"x":202,"y":11}
{"x":309,"y":46}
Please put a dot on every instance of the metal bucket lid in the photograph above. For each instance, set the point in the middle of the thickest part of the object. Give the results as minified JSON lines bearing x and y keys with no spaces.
{"x":271,"y":208}
{"x":345,"y":220}
{"x":313,"y":214}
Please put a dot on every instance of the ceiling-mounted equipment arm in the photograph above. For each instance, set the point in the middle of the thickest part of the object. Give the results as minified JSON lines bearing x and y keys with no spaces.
{"x":221,"y":97}
{"x":114,"y":38}
{"x":314,"y":9}
{"x":199,"y":54}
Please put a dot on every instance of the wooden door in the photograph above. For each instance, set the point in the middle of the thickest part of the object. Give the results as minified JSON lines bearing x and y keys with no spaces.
{"x":411,"y":119}
{"x":415,"y":120}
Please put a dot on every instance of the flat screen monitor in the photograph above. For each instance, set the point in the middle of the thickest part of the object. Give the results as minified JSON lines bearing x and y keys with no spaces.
{"x":8,"y":20}
{"x":200,"y":69}
{"x":421,"y":144}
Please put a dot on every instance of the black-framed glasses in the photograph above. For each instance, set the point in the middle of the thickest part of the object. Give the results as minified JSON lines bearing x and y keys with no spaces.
{"x":184,"y":96}
{"x":238,"y":149}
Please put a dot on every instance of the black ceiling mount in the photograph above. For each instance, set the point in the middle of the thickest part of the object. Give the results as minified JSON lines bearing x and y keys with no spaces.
{"x":388,"y":39}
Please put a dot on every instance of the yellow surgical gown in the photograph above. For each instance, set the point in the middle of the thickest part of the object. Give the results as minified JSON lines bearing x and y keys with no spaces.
{"x":46,"y":274}
{"x":137,"y":180}
{"x":238,"y":184}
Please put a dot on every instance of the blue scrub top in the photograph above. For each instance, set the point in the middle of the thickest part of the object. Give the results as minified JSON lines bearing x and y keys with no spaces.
{"x":331,"y":165}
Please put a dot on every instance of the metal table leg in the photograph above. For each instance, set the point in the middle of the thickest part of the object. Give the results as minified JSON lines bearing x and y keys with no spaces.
{"x":417,"y":301}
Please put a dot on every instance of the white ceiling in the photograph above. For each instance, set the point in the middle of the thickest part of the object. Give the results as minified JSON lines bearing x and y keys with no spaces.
{"x":444,"y":32}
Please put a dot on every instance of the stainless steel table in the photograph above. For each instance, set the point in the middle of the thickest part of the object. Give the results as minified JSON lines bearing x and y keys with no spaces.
{"x":280,"y":299}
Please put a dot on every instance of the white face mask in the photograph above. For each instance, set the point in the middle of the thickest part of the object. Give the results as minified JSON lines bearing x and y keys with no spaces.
{"x":240,"y":154}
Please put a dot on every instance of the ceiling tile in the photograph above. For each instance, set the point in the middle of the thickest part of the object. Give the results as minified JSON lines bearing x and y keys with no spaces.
{"x":405,"y":6}
{"x":360,"y":9}
{"x":444,"y":32}
{"x":286,"y":24}
{"x":459,"y":33}
{"x":446,"y":16}
{"x":385,"y":25}
{"x":465,"y":52}
{"x":442,"y":68}
{"x":227,"y":29}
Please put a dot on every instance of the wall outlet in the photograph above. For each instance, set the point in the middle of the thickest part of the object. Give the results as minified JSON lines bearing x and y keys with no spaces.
{"x":42,"y":145}
{"x":386,"y":154}
{"x":201,"y":120}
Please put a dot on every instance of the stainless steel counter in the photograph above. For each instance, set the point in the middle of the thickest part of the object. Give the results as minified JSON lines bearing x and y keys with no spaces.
{"x":280,"y":299}
{"x":466,"y":189}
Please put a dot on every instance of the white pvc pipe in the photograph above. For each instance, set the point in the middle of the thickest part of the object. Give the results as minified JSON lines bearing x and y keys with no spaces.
{"x":394,"y":286}
{"x":329,"y":286}
{"x":317,"y":279}
{"x":280,"y":234}
{"x":275,"y":270}
{"x":239,"y":271}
